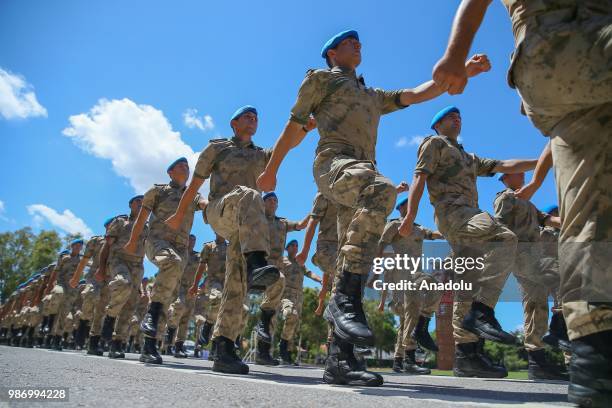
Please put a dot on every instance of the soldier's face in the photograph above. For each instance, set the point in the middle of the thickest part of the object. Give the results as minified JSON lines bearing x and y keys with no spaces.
{"x":514,"y":181}
{"x":292,"y":250}
{"x":192,"y":241}
{"x":135,"y":205}
{"x":271,"y":205}
{"x":246,"y":124}
{"x":180,"y":173}
{"x":450,"y":124}
{"x":347,"y":53}
{"x":76,"y":248}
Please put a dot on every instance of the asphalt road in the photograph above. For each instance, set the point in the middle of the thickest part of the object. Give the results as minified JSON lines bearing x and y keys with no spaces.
{"x":101,"y":382}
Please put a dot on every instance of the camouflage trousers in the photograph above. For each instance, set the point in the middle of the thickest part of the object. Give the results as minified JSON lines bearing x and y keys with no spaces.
{"x":33,"y":316}
{"x":171,"y":259}
{"x":179,"y":313}
{"x":60,"y":304}
{"x":272,"y":296}
{"x":291,"y":312}
{"x":567,"y":94}
{"x":479,"y":236}
{"x":214,"y":293}
{"x":95,"y":299}
{"x":363,"y":197}
{"x":325,"y":258}
{"x":239,"y":216}
{"x":123,"y":293}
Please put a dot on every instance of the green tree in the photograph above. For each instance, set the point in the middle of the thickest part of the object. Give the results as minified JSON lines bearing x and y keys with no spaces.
{"x":15,"y":250}
{"x":313,"y":328}
{"x":68,"y":238}
{"x":383,"y":325}
{"x":44,"y":250}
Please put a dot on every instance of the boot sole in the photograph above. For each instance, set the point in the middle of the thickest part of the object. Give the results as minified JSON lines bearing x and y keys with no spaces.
{"x":484,"y":374}
{"x":262,"y":280}
{"x":588,"y":397}
{"x":226,"y":370}
{"x":150,"y":361}
{"x":484,"y":335}
{"x":330,"y":379}
{"x":356,"y":341}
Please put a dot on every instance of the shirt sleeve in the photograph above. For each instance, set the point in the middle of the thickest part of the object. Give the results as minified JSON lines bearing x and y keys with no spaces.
{"x":503,"y":206}
{"x":114,"y":228}
{"x":428,"y":156}
{"x":427,"y":233}
{"x":319,"y":207}
{"x":90,"y":248}
{"x":389,"y":101}
{"x":389,"y":233}
{"x":291,"y":225}
{"x":486,"y":166}
{"x":149,"y":199}
{"x":309,"y":97}
{"x":206,"y":162}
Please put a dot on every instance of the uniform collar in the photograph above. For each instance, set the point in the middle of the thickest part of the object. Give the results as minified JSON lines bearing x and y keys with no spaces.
{"x":452,"y":141}
{"x":241,"y":143}
{"x":174,"y":184}
{"x":350,"y":73}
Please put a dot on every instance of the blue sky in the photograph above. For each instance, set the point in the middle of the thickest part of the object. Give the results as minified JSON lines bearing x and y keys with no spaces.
{"x":123,"y":88}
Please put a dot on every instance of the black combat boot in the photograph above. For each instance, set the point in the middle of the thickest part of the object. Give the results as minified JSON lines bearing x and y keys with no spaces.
{"x":95,"y":348}
{"x":196,"y":351}
{"x":179,"y":350}
{"x":342,"y":368}
{"x":263,"y":356}
{"x":225,"y":358}
{"x":58,"y":343}
{"x":204,"y":337}
{"x":43,"y":324}
{"x":130,"y":345}
{"x":49,"y":327}
{"x":283,"y":352}
{"x":487,"y":359}
{"x":263,"y":326}
{"x":149,"y":352}
{"x":410,"y":365}
{"x":108,"y":326}
{"x":397,"y":364}
{"x":116,"y":350}
{"x":482,"y":322}
{"x":590,"y":374}
{"x":540,"y":369}
{"x":81,"y":333}
{"x":48,"y":341}
{"x":148,"y":325}
{"x":168,"y":341}
{"x":30,"y":338}
{"x":421,"y":334}
{"x":556,"y":336}
{"x":260,"y":275}
{"x":469,"y":363}
{"x":23,"y":336}
{"x":345,"y":311}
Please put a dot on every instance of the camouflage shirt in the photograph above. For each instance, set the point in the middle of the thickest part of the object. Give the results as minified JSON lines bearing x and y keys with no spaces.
{"x":325,"y":213}
{"x":346,"y":110}
{"x":230,"y":163}
{"x":92,"y":251}
{"x":163,"y":200}
{"x":520,"y":216}
{"x":213,"y":255}
{"x":279,"y":227}
{"x":411,"y":245}
{"x":65,"y":267}
{"x":190,"y":271}
{"x":120,"y":229}
{"x":451,"y":178}
{"x":294,"y":276}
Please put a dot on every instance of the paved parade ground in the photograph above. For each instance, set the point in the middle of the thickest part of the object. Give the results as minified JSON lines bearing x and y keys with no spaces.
{"x":101,"y":382}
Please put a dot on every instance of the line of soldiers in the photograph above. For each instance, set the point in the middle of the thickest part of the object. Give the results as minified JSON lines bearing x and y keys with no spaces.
{"x":561,"y":69}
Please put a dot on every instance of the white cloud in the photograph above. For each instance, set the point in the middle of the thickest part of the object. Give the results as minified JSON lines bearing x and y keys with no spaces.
{"x":191,"y":120}
{"x":413,"y":141}
{"x":2,"y":208}
{"x":137,"y":139}
{"x":65,"y":221}
{"x":17,"y":98}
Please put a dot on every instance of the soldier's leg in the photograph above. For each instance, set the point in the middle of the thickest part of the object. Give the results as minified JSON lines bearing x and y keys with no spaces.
{"x":211,"y":310}
{"x":269,"y":305}
{"x":427,"y":302}
{"x":119,"y":289}
{"x":122,"y":324}
{"x":181,"y":333}
{"x":100,"y":311}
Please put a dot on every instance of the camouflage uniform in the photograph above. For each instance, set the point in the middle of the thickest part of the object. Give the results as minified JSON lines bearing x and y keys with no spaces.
{"x":292,"y":298}
{"x":126,"y":271}
{"x":279,"y":227}
{"x":409,"y":305}
{"x":213,"y":255}
{"x":549,"y":263}
{"x":326,"y":253}
{"x":236,"y":212}
{"x":471,"y":232}
{"x":561,"y":68}
{"x":63,"y":297}
{"x":95,"y":294}
{"x":181,"y":309}
{"x":524,"y":219}
{"x":134,"y":324}
{"x":347,"y":114}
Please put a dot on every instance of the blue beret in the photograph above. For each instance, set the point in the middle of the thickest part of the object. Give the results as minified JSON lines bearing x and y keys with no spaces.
{"x":108,"y":221}
{"x":82,"y":282}
{"x":337,"y":39}
{"x":77,"y":241}
{"x":440,"y":115}
{"x":550,"y":208}
{"x":140,"y":196}
{"x":174,"y":163}
{"x":400,"y":203}
{"x":270,"y":194}
{"x":292,"y":242}
{"x":241,"y":111}
{"x":64,"y":252}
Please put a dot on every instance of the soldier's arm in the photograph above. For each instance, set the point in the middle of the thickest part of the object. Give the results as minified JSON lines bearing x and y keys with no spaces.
{"x":104,"y":252}
{"x":313,"y":276}
{"x":450,"y":72}
{"x":176,"y":219}
{"x":514,"y":166}
{"x":553,"y":221}
{"x":141,"y":219}
{"x":503,"y":207}
{"x":202,"y":266}
{"x":545,"y":162}
{"x":310,"y":230}
{"x":52,"y":278}
{"x":78,"y":272}
{"x":414,"y":198}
